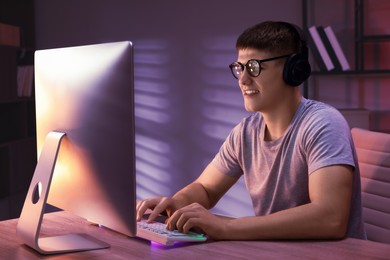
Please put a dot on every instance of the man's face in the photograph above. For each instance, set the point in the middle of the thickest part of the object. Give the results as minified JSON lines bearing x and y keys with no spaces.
{"x":264,"y":92}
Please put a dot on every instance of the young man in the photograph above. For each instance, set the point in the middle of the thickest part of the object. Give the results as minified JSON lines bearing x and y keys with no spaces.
{"x":296,"y":155}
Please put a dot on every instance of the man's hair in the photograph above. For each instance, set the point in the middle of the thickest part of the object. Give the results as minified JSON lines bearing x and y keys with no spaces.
{"x":276,"y":37}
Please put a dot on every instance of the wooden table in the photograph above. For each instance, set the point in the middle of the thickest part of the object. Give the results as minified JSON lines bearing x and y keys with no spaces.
{"x":122,"y":247}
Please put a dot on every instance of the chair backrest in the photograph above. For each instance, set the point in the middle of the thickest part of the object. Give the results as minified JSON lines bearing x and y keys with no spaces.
{"x":373,"y":150}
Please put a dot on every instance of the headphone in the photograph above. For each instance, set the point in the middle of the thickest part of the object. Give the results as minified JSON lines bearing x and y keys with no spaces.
{"x":297,"y":68}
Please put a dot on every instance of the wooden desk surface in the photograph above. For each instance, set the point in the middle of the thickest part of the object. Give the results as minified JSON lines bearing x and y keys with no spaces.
{"x":122,"y":247}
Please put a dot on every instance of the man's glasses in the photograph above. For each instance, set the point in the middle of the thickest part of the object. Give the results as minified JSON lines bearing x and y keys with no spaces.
{"x":253,"y":67}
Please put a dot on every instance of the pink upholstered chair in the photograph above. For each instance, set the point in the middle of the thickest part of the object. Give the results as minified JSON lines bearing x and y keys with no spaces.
{"x":373,"y":150}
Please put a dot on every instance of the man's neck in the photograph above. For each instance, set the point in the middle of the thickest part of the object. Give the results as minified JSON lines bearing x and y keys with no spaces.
{"x":278,"y":120}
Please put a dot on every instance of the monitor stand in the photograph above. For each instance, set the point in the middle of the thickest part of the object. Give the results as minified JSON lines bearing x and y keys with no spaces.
{"x":29,"y":224}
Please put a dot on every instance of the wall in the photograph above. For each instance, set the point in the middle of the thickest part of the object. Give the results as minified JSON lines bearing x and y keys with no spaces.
{"x":186,"y":99}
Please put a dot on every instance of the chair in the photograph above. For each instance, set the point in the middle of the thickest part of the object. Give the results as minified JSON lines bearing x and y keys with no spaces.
{"x":373,"y":150}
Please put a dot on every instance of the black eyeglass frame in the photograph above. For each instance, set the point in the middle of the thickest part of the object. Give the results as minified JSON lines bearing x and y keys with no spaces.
{"x":243,"y":66}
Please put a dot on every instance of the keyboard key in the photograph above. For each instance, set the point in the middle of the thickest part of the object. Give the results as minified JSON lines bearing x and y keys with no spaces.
{"x":158,"y":232}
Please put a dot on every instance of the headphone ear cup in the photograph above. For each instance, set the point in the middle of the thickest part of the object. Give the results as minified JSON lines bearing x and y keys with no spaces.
{"x":296,"y":70}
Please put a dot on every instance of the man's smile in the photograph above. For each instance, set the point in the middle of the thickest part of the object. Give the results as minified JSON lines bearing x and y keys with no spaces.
{"x":250,"y":92}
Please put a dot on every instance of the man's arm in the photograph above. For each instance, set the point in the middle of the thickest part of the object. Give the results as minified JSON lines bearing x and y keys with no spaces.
{"x":206,"y":191}
{"x":325,"y":217}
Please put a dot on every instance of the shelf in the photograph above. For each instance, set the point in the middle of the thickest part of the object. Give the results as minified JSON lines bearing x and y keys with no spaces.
{"x":360,"y":39}
{"x":16,"y":141}
{"x":17,"y":100}
{"x":8,"y":73}
{"x":4,"y":169}
{"x":19,"y":118}
{"x":376,"y":37}
{"x":18,"y":153}
{"x":352,"y":72}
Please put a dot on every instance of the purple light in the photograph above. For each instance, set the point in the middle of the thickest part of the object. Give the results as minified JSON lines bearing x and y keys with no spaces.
{"x":159,"y":245}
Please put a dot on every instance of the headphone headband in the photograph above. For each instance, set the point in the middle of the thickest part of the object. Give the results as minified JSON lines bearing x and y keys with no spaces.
{"x":299,"y":37}
{"x":297,"y":68}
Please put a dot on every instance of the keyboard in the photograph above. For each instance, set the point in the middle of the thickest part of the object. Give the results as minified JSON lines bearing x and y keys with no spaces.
{"x":157,"y":232}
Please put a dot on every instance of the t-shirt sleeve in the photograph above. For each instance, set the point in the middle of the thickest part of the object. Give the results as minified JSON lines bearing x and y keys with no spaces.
{"x":328,"y":140}
{"x":226,"y":160}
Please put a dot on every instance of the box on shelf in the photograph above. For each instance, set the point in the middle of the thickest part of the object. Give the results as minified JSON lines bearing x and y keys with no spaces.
{"x":357,"y":117}
{"x":9,"y":35}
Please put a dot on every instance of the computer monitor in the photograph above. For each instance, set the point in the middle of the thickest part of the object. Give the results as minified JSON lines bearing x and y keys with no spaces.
{"x":85,"y":141}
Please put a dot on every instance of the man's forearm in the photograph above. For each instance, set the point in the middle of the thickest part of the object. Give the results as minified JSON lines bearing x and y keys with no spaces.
{"x":192,"y":193}
{"x":303,"y":222}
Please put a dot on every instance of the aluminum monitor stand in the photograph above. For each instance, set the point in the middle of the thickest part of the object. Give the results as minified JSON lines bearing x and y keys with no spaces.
{"x":29,"y":225}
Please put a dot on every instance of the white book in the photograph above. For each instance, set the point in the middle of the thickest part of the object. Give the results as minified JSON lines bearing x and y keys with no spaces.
{"x":321,"y":48}
{"x":25,"y":80}
{"x":337,"y":48}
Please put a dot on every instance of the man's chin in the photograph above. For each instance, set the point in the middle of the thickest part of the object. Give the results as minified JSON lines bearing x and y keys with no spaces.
{"x":251,"y":109}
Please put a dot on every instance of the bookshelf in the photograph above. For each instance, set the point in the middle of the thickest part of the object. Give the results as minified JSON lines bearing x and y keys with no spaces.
{"x":17,"y":114}
{"x":360,"y":39}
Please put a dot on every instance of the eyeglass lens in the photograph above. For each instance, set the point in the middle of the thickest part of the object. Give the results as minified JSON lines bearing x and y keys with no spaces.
{"x":252,"y":67}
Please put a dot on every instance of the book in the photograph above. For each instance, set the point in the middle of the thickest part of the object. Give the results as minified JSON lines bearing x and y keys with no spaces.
{"x":316,"y":54}
{"x":317,"y":46}
{"x":329,"y":48}
{"x":337,"y":48}
{"x":25,"y":77}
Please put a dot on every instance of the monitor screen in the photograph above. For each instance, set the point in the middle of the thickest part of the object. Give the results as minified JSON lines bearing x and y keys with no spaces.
{"x":87,"y":93}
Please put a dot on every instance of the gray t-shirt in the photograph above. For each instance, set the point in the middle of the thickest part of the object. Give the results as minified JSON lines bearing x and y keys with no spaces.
{"x":276,"y":172}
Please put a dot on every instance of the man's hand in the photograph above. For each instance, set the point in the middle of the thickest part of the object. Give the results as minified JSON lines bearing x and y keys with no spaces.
{"x":196,"y":217}
{"x":157,"y":205}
